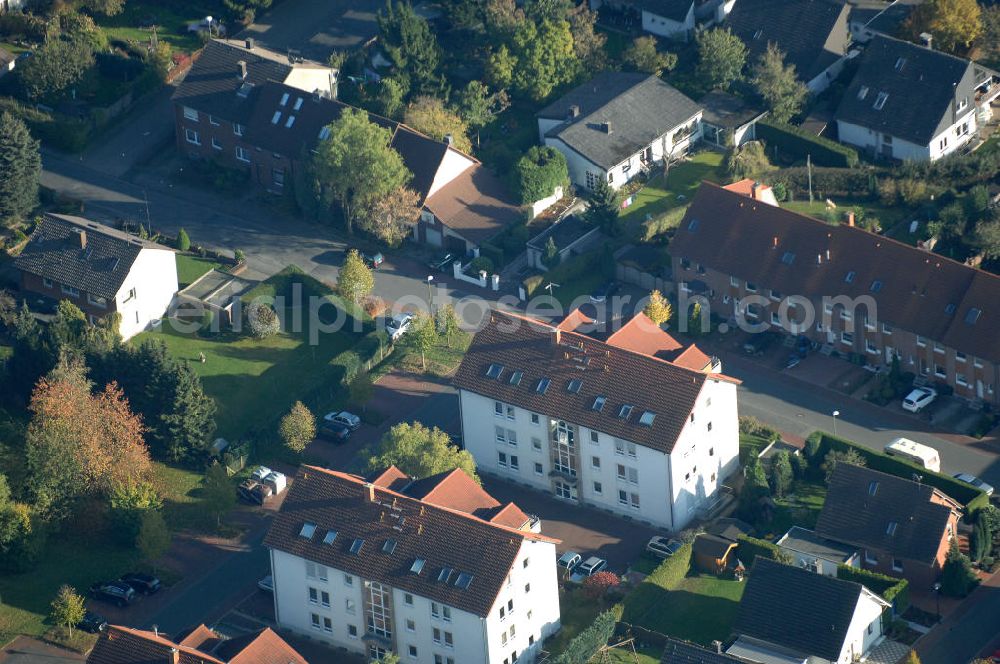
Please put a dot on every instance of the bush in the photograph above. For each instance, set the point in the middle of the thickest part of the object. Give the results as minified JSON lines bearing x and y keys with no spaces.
{"x":853,"y":182}
{"x":749,"y":548}
{"x":493,"y":253}
{"x":896,"y":591}
{"x":751,"y":426}
{"x":798,"y":142}
{"x":538,"y":173}
{"x":183,"y":241}
{"x":586,"y":643}
{"x":481,"y":264}
{"x":666,"y":576}
{"x":597,"y":585}
{"x":262,"y":320}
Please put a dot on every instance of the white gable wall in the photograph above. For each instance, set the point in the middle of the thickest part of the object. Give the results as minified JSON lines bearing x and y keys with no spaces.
{"x":865,"y":628}
{"x":665,"y":27}
{"x":948,"y":141}
{"x":154,"y":279}
{"x":452,"y":165}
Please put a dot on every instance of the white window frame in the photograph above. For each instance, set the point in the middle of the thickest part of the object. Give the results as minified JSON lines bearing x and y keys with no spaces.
{"x":192,"y":137}
{"x":242,"y":154}
{"x":190,"y":114}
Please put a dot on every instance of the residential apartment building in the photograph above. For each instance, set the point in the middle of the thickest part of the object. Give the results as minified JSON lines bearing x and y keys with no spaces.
{"x":618,"y":125}
{"x":910,"y":102}
{"x":101,"y":270}
{"x":434,"y":570}
{"x":900,"y":527}
{"x":597,"y":424}
{"x":250,"y":109}
{"x":866,"y":295}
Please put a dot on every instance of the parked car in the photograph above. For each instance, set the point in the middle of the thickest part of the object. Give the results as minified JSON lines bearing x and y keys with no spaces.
{"x":603,"y":292}
{"x":569,"y":561}
{"x":442,"y":263}
{"x":266,"y":584}
{"x":976,"y":482}
{"x":115,"y":592}
{"x":398,"y":325}
{"x":919,"y":398}
{"x":334,"y":431}
{"x":758,"y":344}
{"x":144,"y":584}
{"x":589,"y":567}
{"x":661,"y":547}
{"x":253,"y":492}
{"x":92,"y":622}
{"x":372,"y":260}
{"x":350,"y":420}
{"x":276,"y":481}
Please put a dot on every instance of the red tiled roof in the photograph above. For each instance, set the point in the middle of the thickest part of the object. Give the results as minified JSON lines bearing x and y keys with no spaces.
{"x":263,"y":647}
{"x":540,"y":351}
{"x":511,"y":515}
{"x":575,"y":320}
{"x":125,"y":645}
{"x":922,"y":292}
{"x":454,"y":490}
{"x":392,"y":478}
{"x":200,"y":638}
{"x":440,"y":536}
{"x":693,"y":358}
{"x":644,"y":336}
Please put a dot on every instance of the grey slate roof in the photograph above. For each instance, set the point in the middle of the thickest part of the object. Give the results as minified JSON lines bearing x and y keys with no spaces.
{"x":212,"y":84}
{"x":813,"y":34}
{"x":853,"y":516}
{"x":676,"y":651}
{"x":806,"y":541}
{"x":54,"y":253}
{"x":797,"y":609}
{"x":640,"y":108}
{"x":727,"y":110}
{"x":922,"y":92}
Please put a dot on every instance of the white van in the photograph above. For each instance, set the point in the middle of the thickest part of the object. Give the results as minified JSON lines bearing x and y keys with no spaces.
{"x":919,"y":454}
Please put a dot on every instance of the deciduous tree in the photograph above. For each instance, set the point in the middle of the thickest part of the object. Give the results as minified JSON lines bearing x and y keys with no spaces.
{"x":355,"y":279}
{"x":419,"y":452}
{"x":298,"y":427}
{"x":545,"y":57}
{"x":748,"y":161}
{"x":448,"y":323}
{"x":954,"y":24}
{"x":218,"y":492}
{"x":721,"y":57}
{"x":391,"y":97}
{"x":987,"y":237}
{"x":430,"y":116}
{"x":355,"y":164}
{"x":658,"y":309}
{"x":20,"y":167}
{"x":588,"y":43}
{"x":422,"y":336}
{"x":56,"y":66}
{"x":105,"y":7}
{"x":778,"y":84}
{"x":643,"y":56}
{"x":67,"y":609}
{"x":391,"y":218}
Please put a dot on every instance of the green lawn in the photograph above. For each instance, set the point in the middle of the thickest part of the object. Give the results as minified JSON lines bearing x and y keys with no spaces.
{"x":661,"y":194}
{"x":799,"y":508}
{"x":171,"y":20}
{"x":12,"y":48}
{"x":625,"y":655}
{"x":190,"y":268}
{"x":887,"y":217}
{"x":701,"y":609}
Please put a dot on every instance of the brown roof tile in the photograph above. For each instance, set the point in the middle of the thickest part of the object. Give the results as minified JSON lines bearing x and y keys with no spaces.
{"x":125,"y":645}
{"x":644,"y":336}
{"x":440,"y":536}
{"x":918,"y":291}
{"x":262,"y":647}
{"x":511,"y":515}
{"x":476,"y":205}
{"x":693,"y":357}
{"x":523,"y":345}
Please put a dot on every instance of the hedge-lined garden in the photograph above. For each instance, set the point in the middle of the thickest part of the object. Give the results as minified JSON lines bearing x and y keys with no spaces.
{"x":799,"y":143}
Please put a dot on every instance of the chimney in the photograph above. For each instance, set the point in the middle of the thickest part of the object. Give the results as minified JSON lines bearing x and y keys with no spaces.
{"x":827,"y":254}
{"x":927,"y":39}
{"x":249,"y":43}
{"x":556,"y":336}
{"x":449,"y":139}
{"x":175,"y":656}
{"x":775,"y":241}
{"x":850,"y":219}
{"x":242,"y":64}
{"x":573,"y":112}
{"x":606,"y":127}
{"x":755,"y":191}
{"x":718,"y":647}
{"x":81,"y":238}
{"x":371,"y":491}
{"x":156,"y":630}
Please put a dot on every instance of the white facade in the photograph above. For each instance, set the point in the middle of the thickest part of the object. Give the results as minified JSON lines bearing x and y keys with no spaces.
{"x":887,"y":145}
{"x":865,"y":630}
{"x":823,"y":80}
{"x":454,"y":164}
{"x":583,"y":172}
{"x":665,"y":27}
{"x":147,"y":291}
{"x":666,"y":490}
{"x":330,"y":606}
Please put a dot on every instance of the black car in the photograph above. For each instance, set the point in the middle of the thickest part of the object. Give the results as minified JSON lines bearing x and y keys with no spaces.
{"x":145,"y":584}
{"x":115,"y":592}
{"x":334,"y":431}
{"x":92,"y":622}
{"x":441,"y":263}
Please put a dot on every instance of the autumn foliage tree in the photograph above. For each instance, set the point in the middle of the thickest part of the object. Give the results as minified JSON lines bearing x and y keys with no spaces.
{"x":390,"y":218}
{"x":596,"y":585}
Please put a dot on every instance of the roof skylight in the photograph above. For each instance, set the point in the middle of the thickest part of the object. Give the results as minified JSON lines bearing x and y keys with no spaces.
{"x":625,"y":411}
{"x":356,"y":546}
{"x":389,"y":546}
{"x":515,"y":378}
{"x":646,"y":419}
{"x":494,"y":371}
{"x":330,"y":537}
{"x":574,"y":386}
{"x":599,"y":403}
{"x":418,"y":566}
{"x":543,"y":385}
{"x":308,"y":530}
{"x":463,"y":580}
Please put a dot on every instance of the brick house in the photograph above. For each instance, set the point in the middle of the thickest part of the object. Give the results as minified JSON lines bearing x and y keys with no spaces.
{"x":902,"y":528}
{"x":198,"y":645}
{"x":250,"y":109}
{"x":99,"y":269}
{"x":869,"y":296}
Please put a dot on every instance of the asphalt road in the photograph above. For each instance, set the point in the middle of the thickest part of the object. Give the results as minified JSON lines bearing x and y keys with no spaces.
{"x":967,"y":632}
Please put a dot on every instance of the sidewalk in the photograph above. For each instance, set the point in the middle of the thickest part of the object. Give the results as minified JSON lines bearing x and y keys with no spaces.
{"x":965,"y":633}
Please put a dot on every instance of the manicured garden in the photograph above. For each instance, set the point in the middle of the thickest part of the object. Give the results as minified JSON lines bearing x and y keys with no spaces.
{"x":170,"y":18}
{"x":191,"y":267}
{"x":660,"y":194}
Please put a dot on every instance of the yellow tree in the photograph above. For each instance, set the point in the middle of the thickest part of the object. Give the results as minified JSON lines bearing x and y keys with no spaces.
{"x":954,"y":24}
{"x":658,"y":309}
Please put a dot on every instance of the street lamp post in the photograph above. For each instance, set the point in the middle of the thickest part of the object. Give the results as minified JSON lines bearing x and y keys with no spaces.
{"x":937,"y":600}
{"x":208,"y":19}
{"x":430,"y":296}
{"x":836,"y":413}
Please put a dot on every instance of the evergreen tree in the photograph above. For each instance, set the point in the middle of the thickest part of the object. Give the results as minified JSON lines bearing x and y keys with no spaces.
{"x":981,"y":539}
{"x":603,"y":208}
{"x":957,"y":575}
{"x":410,"y":44}
{"x":154,"y":537}
{"x":20,"y":166}
{"x":183,"y":241}
{"x":781,"y":473}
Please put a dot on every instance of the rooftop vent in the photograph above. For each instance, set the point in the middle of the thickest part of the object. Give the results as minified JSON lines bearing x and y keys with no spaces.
{"x":80,"y":238}
{"x":599,"y":403}
{"x":574,"y":386}
{"x":330,"y":537}
{"x":249,"y":44}
{"x":418,"y":566}
{"x":356,"y":546}
{"x":308,"y":530}
{"x":494,"y":371}
{"x":573,"y":112}
{"x":606,"y":127}
{"x":463,"y":580}
{"x":389,"y":546}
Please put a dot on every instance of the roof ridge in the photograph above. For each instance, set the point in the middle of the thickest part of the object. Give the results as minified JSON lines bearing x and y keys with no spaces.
{"x":156,"y":638}
{"x":910,"y":44}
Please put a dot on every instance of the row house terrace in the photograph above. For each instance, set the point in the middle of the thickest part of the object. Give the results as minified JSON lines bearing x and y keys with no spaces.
{"x":864,"y":294}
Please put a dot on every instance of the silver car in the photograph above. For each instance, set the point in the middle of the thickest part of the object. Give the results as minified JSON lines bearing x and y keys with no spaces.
{"x":976,"y":482}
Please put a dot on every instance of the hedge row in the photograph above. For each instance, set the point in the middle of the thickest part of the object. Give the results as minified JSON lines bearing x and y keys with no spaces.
{"x":893,"y":590}
{"x":749,"y":548}
{"x":827,"y":182}
{"x":666,"y":576}
{"x":586,"y":643}
{"x":798,"y":142}
{"x":972,"y":498}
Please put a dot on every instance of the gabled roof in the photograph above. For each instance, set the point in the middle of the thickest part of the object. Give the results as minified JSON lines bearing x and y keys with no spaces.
{"x":539,"y":352}
{"x":918,"y":289}
{"x":676,"y":651}
{"x":125,"y":645}
{"x":869,"y":509}
{"x":379,"y":535}
{"x":723,"y":109}
{"x":637,"y":108}
{"x":475,"y":204}
{"x":813,"y":34}
{"x":908,"y":91}
{"x":797,"y":609}
{"x":100,"y":267}
{"x":212,"y":84}
{"x":729,"y":528}
{"x":642,"y":335}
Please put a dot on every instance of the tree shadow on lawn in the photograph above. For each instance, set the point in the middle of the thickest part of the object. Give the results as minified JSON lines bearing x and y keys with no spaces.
{"x":693,"y":616}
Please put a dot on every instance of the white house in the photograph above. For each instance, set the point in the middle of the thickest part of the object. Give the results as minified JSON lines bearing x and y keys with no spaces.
{"x":597,"y":424}
{"x":434,"y":570}
{"x":910,"y":102}
{"x":789,"y":614}
{"x":618,"y":125}
{"x":812,"y":552}
{"x":99,"y":269}
{"x":666,"y":18}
